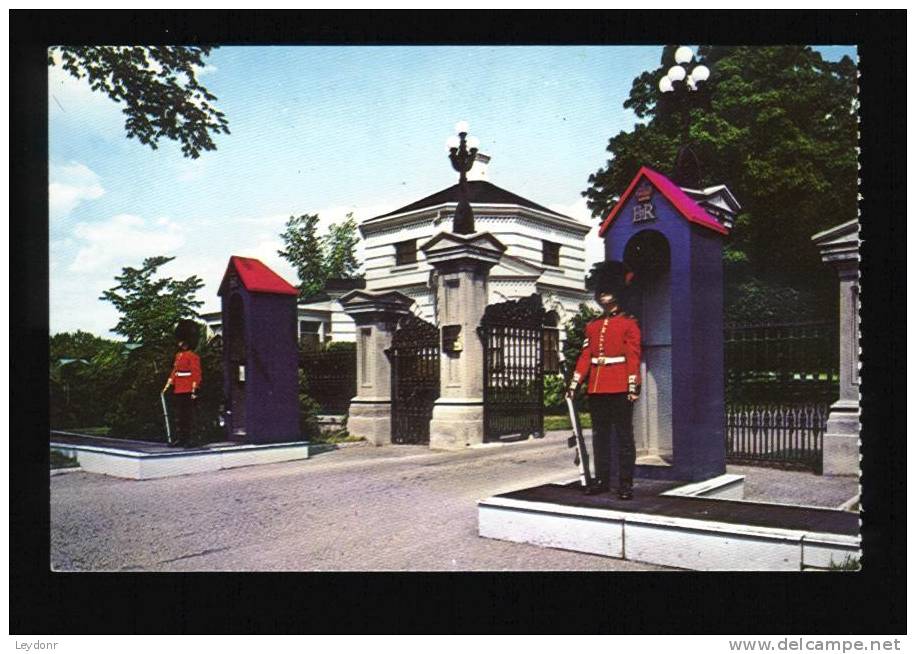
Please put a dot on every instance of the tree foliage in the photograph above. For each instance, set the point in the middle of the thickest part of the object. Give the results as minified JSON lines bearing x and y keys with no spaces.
{"x":340,"y":250}
{"x":85,"y":373}
{"x":319,"y":258}
{"x":777,"y":125}
{"x":149,"y":307}
{"x":158,"y":87}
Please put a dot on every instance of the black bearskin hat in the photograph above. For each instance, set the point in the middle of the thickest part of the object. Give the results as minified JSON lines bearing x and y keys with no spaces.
{"x":610,"y":277}
{"x":188,"y":331}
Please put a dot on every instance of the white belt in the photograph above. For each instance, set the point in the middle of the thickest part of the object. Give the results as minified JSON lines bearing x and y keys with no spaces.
{"x":181,"y":373}
{"x":606,"y":361}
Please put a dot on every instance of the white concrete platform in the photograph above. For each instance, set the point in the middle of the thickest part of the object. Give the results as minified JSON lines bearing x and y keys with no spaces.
{"x":133,"y":463}
{"x":659,"y":536}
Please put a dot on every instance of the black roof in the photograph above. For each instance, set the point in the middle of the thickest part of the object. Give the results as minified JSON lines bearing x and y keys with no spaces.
{"x":341,"y":284}
{"x":479,"y":192}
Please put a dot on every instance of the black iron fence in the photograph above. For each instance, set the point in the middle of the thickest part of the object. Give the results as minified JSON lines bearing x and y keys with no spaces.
{"x":513,"y":383}
{"x":781,"y":363}
{"x":787,"y":436}
{"x":780,"y":380}
{"x":414,"y":356}
{"x":330,"y":378}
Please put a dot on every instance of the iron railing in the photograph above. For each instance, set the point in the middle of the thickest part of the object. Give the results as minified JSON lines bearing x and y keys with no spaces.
{"x":787,"y":436}
{"x":330,"y":378}
{"x":784,"y":363}
{"x":414,"y":356}
{"x":780,"y":379}
{"x":513,"y":384}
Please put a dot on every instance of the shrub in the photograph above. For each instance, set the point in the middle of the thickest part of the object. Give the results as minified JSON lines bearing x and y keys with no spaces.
{"x":554,"y":393}
{"x":308,"y":411}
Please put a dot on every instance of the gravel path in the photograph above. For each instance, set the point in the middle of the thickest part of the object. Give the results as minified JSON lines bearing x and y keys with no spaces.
{"x":358,"y":508}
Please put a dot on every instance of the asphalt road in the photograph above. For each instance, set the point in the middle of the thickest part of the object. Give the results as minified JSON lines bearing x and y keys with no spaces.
{"x":357,"y":508}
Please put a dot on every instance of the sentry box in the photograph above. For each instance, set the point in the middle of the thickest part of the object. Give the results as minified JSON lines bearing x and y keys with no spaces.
{"x":674,"y":245}
{"x":260,"y":357}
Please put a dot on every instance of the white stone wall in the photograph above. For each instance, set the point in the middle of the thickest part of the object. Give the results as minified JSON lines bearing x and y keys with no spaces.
{"x":521,"y":230}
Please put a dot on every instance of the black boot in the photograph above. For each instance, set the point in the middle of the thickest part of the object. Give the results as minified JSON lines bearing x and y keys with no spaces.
{"x":625,"y":491}
{"x":597,"y":488}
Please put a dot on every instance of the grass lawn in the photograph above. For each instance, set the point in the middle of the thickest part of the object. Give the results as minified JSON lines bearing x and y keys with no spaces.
{"x":59,"y":460}
{"x":335,"y":437}
{"x":553,"y":423}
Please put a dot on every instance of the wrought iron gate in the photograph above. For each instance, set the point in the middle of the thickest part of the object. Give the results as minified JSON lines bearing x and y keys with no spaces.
{"x":513,"y":383}
{"x":414,"y":357}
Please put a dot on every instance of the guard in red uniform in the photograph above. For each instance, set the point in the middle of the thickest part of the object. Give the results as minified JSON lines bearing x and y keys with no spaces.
{"x":186,"y":379}
{"x":609,"y":367}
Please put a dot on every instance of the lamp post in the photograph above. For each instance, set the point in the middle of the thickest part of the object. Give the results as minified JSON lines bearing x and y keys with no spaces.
{"x":678,"y":73}
{"x":462,"y":152}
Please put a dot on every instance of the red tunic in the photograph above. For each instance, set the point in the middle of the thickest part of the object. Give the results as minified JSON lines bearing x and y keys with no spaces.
{"x":185,"y":375}
{"x":610,"y":355}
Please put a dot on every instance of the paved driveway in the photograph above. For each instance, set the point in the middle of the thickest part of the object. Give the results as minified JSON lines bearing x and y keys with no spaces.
{"x":357,"y":508}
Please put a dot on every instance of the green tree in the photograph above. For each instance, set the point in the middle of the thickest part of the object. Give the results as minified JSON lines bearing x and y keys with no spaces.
{"x":340,"y":250}
{"x":303,"y":249}
{"x":150,"y":307}
{"x":85,"y":373}
{"x":778,"y":126}
{"x":158,"y":87}
{"x":319,"y":258}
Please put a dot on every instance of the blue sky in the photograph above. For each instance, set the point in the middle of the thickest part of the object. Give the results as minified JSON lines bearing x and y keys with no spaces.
{"x":319,"y":129}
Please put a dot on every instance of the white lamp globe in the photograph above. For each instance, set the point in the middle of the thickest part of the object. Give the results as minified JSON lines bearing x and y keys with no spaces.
{"x":473,"y":142}
{"x":691,"y":84}
{"x":462,"y":126}
{"x":452,"y":142}
{"x":665,"y":85}
{"x":683,"y":54}
{"x":700,"y":73}
{"x":676,"y":73}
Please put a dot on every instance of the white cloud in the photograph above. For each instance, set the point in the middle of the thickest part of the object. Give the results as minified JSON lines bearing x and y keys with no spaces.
{"x":69,"y":185}
{"x":123,"y":239}
{"x":85,"y":262}
{"x":206,"y":69}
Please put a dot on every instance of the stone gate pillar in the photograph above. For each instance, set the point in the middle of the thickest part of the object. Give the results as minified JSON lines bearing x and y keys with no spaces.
{"x":839,"y":247}
{"x":462,"y":264}
{"x":376,"y":316}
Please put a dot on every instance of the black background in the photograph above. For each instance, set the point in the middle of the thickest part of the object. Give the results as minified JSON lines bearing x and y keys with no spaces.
{"x":870,"y":601}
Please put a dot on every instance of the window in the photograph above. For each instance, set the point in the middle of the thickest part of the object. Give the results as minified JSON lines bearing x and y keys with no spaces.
{"x":405,"y":252}
{"x":309,"y":334}
{"x":551,"y":254}
{"x":551,"y":350}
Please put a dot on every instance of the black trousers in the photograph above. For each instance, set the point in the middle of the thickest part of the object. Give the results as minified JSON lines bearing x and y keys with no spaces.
{"x":612,"y":438}
{"x":184,"y":417}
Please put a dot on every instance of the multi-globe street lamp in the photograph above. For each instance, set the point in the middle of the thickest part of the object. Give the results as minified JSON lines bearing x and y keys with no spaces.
{"x":678,"y":73}
{"x":462,"y":152}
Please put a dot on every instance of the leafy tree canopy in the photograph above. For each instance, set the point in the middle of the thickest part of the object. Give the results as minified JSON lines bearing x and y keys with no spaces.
{"x":319,"y":258}
{"x":150,"y":307}
{"x":158,"y":87}
{"x":778,"y":125}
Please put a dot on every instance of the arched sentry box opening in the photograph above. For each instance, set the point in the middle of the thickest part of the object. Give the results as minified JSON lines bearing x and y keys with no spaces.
{"x":649,"y":256}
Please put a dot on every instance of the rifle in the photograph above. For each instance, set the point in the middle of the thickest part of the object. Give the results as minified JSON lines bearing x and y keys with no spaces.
{"x":165,"y":412}
{"x":578,"y":441}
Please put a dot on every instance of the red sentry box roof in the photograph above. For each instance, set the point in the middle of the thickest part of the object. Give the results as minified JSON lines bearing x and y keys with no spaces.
{"x":257,"y":278}
{"x":686,"y":206}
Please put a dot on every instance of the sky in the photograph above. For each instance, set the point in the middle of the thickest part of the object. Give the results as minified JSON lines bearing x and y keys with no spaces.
{"x":319,"y":129}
